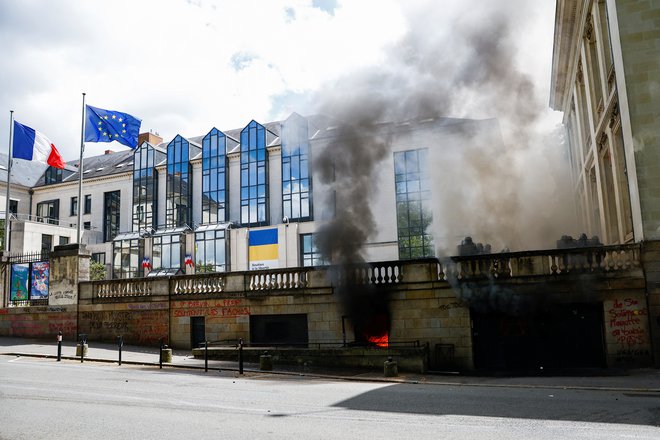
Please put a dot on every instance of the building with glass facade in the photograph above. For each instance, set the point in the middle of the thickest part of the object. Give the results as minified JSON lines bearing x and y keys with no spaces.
{"x":240,"y":199}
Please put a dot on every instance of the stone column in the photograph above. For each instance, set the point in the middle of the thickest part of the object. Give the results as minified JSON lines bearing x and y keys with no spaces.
{"x":69,"y":264}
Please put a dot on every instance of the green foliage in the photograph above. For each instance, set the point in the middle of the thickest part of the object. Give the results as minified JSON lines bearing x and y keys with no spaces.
{"x":97,"y":271}
{"x":204,"y":268}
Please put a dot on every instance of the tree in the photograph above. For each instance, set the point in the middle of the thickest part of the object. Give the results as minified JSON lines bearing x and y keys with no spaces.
{"x":97,"y":271}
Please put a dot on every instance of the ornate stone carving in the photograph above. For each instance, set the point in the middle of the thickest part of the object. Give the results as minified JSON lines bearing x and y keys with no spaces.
{"x":614,"y":115}
{"x":589,"y":29}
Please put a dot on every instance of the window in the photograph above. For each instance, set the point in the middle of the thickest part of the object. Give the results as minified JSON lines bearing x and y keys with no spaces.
{"x":214,"y":177}
{"x":309,"y":254}
{"x":49,"y":211}
{"x":178,"y":210}
{"x":254,"y":176}
{"x":111,"y":211}
{"x":88,"y":204}
{"x":296,"y":180}
{"x":13,"y":206}
{"x":53,"y":175}
{"x":413,"y":204}
{"x":166,"y":252}
{"x":74,"y":206}
{"x":46,"y":242}
{"x":210,"y":251}
{"x":145,"y":188}
{"x":98,"y":257}
{"x":64,"y":240}
{"x":87,"y":226}
{"x":127,"y":257}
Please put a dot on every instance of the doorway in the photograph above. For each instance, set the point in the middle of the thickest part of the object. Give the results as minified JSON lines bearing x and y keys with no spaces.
{"x":197,"y":331}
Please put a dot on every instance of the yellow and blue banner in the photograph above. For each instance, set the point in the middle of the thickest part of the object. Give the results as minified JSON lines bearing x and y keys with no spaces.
{"x":263,"y":249}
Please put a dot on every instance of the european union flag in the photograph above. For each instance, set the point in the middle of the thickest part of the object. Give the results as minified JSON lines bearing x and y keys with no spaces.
{"x":109,"y":125}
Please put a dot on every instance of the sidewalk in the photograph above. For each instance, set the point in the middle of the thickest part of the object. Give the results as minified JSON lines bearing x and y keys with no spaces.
{"x":643,"y":380}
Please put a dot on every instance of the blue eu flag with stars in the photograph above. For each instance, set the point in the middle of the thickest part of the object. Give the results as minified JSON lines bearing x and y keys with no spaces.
{"x":108,"y":125}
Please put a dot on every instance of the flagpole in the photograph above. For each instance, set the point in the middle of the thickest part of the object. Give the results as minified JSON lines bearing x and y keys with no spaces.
{"x":80,"y":171}
{"x":9,"y":161}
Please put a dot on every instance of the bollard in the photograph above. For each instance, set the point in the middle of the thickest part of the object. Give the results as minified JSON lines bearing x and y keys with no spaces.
{"x":206,"y":356}
{"x":390,"y":368}
{"x":160,"y":353}
{"x":240,"y":356}
{"x":120,"y":344}
{"x":82,"y":347}
{"x":59,"y":346}
{"x":265,"y":362}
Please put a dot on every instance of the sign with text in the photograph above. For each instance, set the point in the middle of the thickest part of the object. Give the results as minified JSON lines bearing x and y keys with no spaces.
{"x":20,"y":276}
{"x":39,"y":280}
{"x":263,"y":249}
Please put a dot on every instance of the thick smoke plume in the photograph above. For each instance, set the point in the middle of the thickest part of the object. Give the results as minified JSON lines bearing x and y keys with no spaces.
{"x":457,"y":61}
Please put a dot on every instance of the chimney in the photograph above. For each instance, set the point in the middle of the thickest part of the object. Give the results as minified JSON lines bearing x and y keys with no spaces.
{"x":109,"y":151}
{"x":150,"y":137}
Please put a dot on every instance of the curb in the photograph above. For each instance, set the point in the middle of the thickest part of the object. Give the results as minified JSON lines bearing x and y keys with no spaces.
{"x":392,"y":380}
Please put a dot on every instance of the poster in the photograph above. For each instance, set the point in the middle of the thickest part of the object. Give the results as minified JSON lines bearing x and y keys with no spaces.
{"x":20,"y":275}
{"x":263,"y":249}
{"x":39,"y":280}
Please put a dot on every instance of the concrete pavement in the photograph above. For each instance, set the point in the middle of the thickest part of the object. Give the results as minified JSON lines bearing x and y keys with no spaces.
{"x":642,"y":380}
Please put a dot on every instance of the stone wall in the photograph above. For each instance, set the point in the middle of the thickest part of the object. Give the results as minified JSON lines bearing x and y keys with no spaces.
{"x":39,"y":322}
{"x":651,"y":260}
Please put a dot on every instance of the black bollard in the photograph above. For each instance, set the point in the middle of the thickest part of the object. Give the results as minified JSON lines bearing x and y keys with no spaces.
{"x":59,"y":346}
{"x":240,"y":356}
{"x":83,"y":340}
{"x":120,"y":344}
{"x":206,"y":356}
{"x":160,"y":357}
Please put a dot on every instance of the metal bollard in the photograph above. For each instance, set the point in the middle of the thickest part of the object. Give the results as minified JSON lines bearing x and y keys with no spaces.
{"x":83,"y":341}
{"x":59,"y":346}
{"x":390,"y":368}
{"x":206,"y":356}
{"x":120,"y":344}
{"x":240,"y":356}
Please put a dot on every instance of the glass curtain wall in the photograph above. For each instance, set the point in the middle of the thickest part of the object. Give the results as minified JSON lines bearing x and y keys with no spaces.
{"x":126,"y":258}
{"x":296,"y":180}
{"x":413,"y":204}
{"x":210,"y":251}
{"x":178,"y":210}
{"x":254,"y":176}
{"x":214,"y":177}
{"x":166,"y":251}
{"x":145,"y":189}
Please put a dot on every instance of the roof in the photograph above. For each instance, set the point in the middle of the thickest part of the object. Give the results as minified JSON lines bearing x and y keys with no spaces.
{"x":96,"y":166}
{"x":23,"y":173}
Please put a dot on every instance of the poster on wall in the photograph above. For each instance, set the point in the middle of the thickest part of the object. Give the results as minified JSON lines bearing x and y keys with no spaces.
{"x":263,"y":249}
{"x":20,"y":275}
{"x":39,"y":280}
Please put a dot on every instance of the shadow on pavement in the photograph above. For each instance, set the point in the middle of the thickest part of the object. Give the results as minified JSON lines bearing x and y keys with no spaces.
{"x":540,"y":404}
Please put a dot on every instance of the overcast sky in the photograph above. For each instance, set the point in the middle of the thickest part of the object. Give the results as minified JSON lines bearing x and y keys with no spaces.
{"x":185,"y":66}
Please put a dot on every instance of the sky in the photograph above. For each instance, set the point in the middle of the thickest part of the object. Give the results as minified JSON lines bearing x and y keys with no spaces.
{"x":186,"y":66}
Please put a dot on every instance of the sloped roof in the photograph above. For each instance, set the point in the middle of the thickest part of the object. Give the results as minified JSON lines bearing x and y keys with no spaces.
{"x":96,"y":166}
{"x":23,"y":172}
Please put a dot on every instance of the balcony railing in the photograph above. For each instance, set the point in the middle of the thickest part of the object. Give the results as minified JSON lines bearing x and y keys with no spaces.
{"x":391,"y":274}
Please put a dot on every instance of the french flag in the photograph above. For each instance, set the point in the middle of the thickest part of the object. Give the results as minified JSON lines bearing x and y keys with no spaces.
{"x":29,"y":144}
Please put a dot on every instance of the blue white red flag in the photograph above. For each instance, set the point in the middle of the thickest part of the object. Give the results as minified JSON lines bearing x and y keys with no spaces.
{"x":29,"y":144}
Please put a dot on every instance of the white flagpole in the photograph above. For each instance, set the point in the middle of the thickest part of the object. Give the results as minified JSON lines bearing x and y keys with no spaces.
{"x":80,"y":171}
{"x":9,"y":161}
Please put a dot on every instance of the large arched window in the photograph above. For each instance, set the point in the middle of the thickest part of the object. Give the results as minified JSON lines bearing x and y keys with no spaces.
{"x":145,"y":188}
{"x":296,"y":179}
{"x":254,"y":176}
{"x":178,"y":208}
{"x":214,"y":177}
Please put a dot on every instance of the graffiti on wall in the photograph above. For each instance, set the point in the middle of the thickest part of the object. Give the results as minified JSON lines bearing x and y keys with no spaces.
{"x":226,"y":308}
{"x":136,"y":326}
{"x":626,"y":323}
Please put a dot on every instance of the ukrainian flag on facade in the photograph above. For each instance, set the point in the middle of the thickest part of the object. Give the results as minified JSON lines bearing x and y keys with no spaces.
{"x":263,"y":249}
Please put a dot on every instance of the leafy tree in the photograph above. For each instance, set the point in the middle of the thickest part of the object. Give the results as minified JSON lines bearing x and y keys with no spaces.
{"x":97,"y":271}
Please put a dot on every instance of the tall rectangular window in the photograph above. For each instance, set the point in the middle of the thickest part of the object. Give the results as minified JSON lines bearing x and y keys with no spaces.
{"x":74,"y":206}
{"x":210,"y":251}
{"x":49,"y":211}
{"x":88,"y":204}
{"x":145,"y":188}
{"x":178,"y":210}
{"x":46,"y":242}
{"x":126,"y":258}
{"x":111,"y":214}
{"x":214,"y":177}
{"x":413,"y":204}
{"x":13,"y":206}
{"x":254,"y":176}
{"x":296,"y":179}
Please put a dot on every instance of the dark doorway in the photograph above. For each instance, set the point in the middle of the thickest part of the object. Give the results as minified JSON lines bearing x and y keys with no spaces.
{"x":197,"y":331}
{"x":562,"y":337}
{"x":279,"y":329}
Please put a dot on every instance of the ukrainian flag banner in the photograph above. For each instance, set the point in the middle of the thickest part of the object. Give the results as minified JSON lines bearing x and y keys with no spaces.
{"x":263,"y":249}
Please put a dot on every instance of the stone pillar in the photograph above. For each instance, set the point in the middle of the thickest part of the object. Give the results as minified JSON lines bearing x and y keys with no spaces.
{"x":69,"y":264}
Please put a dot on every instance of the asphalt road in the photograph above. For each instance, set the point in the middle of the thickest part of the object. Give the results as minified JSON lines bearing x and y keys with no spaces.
{"x":43,"y":399}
